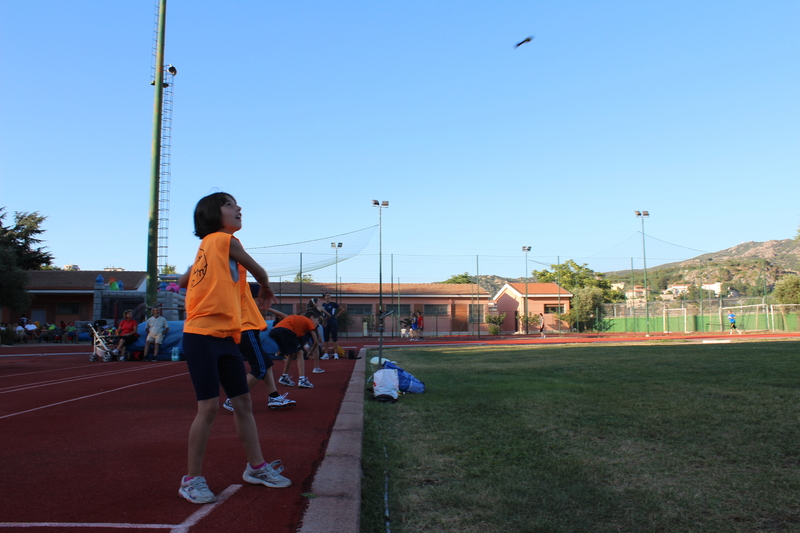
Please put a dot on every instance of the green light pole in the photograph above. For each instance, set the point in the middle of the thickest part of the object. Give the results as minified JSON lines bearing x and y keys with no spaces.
{"x":381,"y":206}
{"x":643,"y":215}
{"x":155,"y":167}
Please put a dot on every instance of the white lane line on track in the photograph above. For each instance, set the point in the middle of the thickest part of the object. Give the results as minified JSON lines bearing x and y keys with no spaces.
{"x":183,"y":527}
{"x":71,"y":379}
{"x":204,"y":510}
{"x":92,"y":395}
{"x":50,"y":370}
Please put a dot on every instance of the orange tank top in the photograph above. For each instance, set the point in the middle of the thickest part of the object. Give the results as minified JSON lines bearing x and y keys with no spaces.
{"x":251,"y":314}
{"x":213,"y":299}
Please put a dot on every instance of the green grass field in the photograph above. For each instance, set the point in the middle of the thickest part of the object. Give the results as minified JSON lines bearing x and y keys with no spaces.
{"x":662,"y":438}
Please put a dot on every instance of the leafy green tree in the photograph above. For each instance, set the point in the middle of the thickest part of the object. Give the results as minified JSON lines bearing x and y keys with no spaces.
{"x":495,"y":321}
{"x":22,"y":239}
{"x":169,"y":269}
{"x":787,"y":290}
{"x":572,"y":276}
{"x":464,"y":278}
{"x":587,"y":307}
{"x":13,"y":283}
{"x":305,"y":278}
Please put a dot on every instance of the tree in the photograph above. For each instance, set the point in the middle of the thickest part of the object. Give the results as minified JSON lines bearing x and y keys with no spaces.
{"x":13,"y":283}
{"x":21,"y":240}
{"x":787,"y":290}
{"x":169,"y":269}
{"x":572,"y":276}
{"x":586,"y":307}
{"x":303,"y":278}
{"x":464,"y":278}
{"x":495,"y":321}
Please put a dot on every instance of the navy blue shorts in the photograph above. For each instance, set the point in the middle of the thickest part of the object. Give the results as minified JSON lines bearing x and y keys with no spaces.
{"x":250,"y":347}
{"x":287,"y":341}
{"x":331,"y":332}
{"x":212,"y":362}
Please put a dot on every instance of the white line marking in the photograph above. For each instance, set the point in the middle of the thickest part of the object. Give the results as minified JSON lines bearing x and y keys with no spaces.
{"x":49,"y":370}
{"x":183,"y":527}
{"x":92,"y":395}
{"x":27,"y":386}
{"x":203,"y":511}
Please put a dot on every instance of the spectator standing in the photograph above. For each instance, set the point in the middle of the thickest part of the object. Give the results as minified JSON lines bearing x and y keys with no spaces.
{"x":330,"y":330}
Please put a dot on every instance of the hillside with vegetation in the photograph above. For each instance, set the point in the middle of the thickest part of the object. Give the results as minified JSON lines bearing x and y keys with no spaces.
{"x":746,"y":268}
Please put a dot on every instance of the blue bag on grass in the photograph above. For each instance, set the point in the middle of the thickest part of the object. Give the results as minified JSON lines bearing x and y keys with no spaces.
{"x":406,"y":381}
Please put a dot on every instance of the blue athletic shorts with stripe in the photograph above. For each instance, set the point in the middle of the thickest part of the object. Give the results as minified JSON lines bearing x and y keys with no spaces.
{"x":251,"y":349}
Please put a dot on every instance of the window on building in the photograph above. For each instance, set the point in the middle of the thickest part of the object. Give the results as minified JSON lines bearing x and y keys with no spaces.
{"x":68,"y":308}
{"x":359,"y":309}
{"x":553,"y":309}
{"x":399,"y":310}
{"x":435,"y":310}
{"x":283,"y":308}
{"x":476,"y":313}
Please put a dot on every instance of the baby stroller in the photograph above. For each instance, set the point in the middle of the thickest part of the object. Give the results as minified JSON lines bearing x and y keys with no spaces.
{"x":100,"y":350}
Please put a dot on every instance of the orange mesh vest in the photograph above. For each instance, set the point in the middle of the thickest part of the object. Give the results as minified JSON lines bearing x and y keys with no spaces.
{"x":213,"y":300}
{"x":251,"y":314}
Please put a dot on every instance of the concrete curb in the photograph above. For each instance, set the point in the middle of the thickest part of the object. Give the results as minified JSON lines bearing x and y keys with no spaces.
{"x":336,"y":507}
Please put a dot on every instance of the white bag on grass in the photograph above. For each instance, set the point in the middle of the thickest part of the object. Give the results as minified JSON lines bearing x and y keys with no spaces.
{"x":385,"y":385}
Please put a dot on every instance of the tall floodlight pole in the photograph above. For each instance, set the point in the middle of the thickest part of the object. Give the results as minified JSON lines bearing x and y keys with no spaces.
{"x":336,"y":246}
{"x":643,"y":215}
{"x":155,"y":166}
{"x":526,"y":249}
{"x":381,"y":206}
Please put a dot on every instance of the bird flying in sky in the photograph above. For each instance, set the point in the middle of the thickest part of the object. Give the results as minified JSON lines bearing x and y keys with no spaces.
{"x":525,"y":40}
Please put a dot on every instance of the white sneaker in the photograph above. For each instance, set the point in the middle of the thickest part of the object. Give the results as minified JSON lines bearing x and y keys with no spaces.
{"x":266,"y":475}
{"x":196,"y":490}
{"x":318,"y":371}
{"x":303,"y":383}
{"x":228,"y":405}
{"x":286,"y":380}
{"x":336,"y":356}
{"x":280,"y":402}
{"x":325,"y":357}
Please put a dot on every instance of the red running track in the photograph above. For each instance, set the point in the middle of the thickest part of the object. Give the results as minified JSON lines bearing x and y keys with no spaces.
{"x":102,"y":447}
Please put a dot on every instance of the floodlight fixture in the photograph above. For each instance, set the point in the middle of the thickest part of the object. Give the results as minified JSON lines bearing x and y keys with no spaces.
{"x":375,"y":203}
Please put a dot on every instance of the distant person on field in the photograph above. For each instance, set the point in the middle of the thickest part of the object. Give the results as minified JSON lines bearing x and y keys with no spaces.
{"x":156,"y":329}
{"x":541,"y":325}
{"x":732,"y":320}
{"x":211,"y":334}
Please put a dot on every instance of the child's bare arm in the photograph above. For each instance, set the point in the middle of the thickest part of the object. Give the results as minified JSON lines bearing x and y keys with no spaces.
{"x":238,"y":254}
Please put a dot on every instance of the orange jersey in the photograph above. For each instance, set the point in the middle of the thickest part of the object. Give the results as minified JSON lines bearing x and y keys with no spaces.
{"x":213,"y":299}
{"x":251,"y":314}
{"x":298,"y":324}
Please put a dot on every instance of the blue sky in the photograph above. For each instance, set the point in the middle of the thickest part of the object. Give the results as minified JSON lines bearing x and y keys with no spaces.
{"x":305,"y":111}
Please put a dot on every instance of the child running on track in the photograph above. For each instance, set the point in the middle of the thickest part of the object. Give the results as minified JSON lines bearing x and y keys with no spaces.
{"x":260,"y":363}
{"x":211,"y":333}
{"x":287,"y":336}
